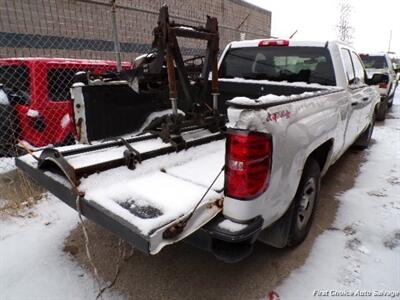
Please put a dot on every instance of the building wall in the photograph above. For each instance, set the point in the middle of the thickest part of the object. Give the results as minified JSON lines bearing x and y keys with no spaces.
{"x":83,"y":29}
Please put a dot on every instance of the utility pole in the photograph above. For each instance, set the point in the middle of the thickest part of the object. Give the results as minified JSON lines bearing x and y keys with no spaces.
{"x":390,"y":40}
{"x":117,"y":47}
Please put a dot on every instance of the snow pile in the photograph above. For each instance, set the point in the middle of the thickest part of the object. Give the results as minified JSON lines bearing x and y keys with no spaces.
{"x":7,"y":164}
{"x":361,"y":253}
{"x":271,"y":98}
{"x":32,"y":263}
{"x":231,"y":226}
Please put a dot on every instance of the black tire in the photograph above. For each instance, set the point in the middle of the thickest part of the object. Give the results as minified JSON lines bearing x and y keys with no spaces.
{"x":364,"y":139}
{"x":390,"y":104}
{"x":305,"y":202}
{"x":390,"y":100}
{"x":381,"y":113}
{"x":8,"y":131}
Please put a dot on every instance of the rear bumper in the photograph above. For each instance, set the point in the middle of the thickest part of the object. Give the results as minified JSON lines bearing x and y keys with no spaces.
{"x":225,"y":245}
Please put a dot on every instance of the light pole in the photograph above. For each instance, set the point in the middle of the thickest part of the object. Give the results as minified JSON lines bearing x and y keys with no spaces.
{"x":117,"y":47}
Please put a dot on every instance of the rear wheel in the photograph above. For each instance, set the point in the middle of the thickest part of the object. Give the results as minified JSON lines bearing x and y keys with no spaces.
{"x":305,"y":202}
{"x":365,"y":138}
{"x":390,"y":101}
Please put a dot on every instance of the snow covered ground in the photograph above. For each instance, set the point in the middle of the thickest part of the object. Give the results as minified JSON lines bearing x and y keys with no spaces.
{"x":6,"y":164}
{"x":360,"y":257}
{"x":32,"y":262}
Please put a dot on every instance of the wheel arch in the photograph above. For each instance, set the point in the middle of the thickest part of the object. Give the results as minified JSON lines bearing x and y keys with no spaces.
{"x":321,"y":154}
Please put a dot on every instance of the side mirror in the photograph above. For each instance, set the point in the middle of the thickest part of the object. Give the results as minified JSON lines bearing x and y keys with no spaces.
{"x":378,"y":78}
{"x":396,"y":67}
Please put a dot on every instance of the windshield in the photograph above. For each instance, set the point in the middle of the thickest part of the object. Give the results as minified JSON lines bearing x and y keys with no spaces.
{"x":292,"y":64}
{"x":374,"y":62}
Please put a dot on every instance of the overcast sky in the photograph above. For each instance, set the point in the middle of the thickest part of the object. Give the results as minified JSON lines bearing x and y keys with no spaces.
{"x":316,"y":20}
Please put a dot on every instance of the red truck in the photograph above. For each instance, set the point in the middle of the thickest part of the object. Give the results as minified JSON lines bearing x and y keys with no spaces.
{"x":37,"y":108}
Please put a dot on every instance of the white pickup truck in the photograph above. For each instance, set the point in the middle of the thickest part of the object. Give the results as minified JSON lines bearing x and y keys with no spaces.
{"x":381,"y":63}
{"x":293,"y":107}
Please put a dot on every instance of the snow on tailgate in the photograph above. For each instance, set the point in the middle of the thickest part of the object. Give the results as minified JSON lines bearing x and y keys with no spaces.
{"x":161,"y":189}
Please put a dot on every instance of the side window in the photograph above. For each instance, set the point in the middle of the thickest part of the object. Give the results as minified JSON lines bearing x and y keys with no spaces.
{"x":358,"y":68}
{"x":348,"y":66}
{"x":16,"y":81}
{"x":59,"y":81}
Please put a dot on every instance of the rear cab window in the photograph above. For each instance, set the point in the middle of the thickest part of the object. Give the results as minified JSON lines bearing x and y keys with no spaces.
{"x":374,"y":61}
{"x":276,"y":63}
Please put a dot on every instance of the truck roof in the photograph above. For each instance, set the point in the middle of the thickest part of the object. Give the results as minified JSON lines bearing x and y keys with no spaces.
{"x":293,"y":43}
{"x":59,"y":60}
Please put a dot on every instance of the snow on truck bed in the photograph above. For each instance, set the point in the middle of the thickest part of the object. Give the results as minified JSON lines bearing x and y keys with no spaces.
{"x":162,"y":189}
{"x":271,"y":98}
{"x":284,"y":83}
{"x":314,"y":89}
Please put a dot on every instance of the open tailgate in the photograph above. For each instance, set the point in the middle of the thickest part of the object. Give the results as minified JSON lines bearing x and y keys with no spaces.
{"x":149,"y":206}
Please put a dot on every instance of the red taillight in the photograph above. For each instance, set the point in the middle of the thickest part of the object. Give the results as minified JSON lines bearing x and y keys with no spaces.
{"x":383,"y":85}
{"x":273,"y":43}
{"x":248,"y":164}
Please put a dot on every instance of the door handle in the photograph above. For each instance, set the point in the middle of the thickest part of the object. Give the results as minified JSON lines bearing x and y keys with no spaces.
{"x":354,"y":103}
{"x":365,"y":99}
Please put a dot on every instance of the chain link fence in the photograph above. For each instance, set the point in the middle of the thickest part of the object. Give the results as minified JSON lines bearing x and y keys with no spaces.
{"x":44,"y":43}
